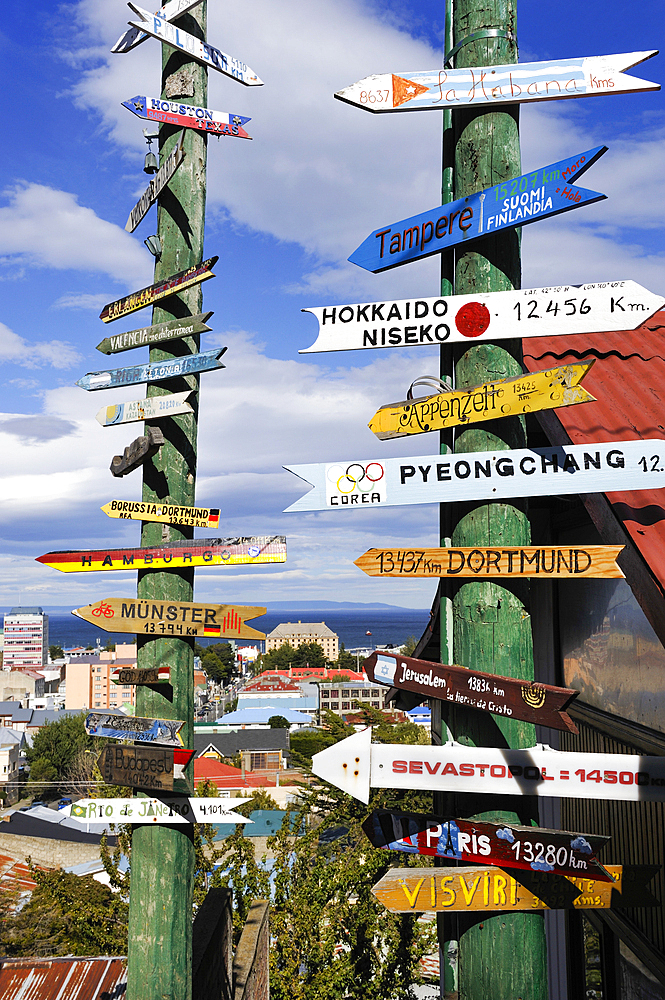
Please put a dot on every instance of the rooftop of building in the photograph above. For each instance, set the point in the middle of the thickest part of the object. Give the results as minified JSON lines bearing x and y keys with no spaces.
{"x":301,"y":628}
{"x":26,"y":611}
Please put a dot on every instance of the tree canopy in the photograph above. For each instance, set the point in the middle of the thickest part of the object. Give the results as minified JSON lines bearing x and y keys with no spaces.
{"x":217,"y":660}
{"x":278,"y":722}
{"x":55,"y":747}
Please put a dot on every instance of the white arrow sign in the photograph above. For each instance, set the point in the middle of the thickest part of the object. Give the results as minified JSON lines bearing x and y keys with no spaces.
{"x":130,"y":39}
{"x":596,"y":467}
{"x":485,"y":87}
{"x":166,"y":809}
{"x":157,"y":184}
{"x":529,"y":312}
{"x":356,"y":764}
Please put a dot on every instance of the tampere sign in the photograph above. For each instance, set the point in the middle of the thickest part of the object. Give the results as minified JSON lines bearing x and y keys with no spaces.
{"x":166,"y":513}
{"x":119,"y":614}
{"x":457,"y":319}
{"x":150,"y":335}
{"x":153,"y":408}
{"x":554,"y":561}
{"x":165,"y":732}
{"x":173,"y":555}
{"x":541,"y":194}
{"x":596,"y":467}
{"x":546,"y":390}
{"x":153,"y":371}
{"x":356,"y":764}
{"x":170,"y":11}
{"x":188,"y":115}
{"x":157,"y":184}
{"x":160,"y":290}
{"x":542,"y":704}
{"x":485,"y":87}
{"x":165,"y":809}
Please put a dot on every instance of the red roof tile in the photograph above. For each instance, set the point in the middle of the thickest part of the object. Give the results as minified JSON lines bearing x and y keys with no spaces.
{"x":61,"y":978}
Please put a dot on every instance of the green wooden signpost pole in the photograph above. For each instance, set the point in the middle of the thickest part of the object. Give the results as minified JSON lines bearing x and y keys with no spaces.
{"x":162,"y":864}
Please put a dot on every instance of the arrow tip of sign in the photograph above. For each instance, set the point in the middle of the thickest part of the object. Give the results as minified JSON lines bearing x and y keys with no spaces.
{"x":347,"y":764}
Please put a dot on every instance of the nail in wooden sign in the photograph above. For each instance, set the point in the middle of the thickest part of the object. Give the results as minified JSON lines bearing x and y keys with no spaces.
{"x":157,"y":334}
{"x":165,"y":732}
{"x":553,"y":561}
{"x":541,"y":704}
{"x":152,"y":768}
{"x":547,"y":390}
{"x":151,"y":408}
{"x":596,"y":467}
{"x":541,"y":194}
{"x":457,"y":319}
{"x":355,"y":765}
{"x":144,"y":675}
{"x":485,"y":87}
{"x":174,"y":555}
{"x":195,"y":48}
{"x":170,"y":11}
{"x":153,"y":371}
{"x":160,"y":290}
{"x":171,"y":809}
{"x":138,"y":452}
{"x":164,"y":513}
{"x":505,"y":845}
{"x":426,"y":890}
{"x":119,"y":614}
{"x":157,"y":184}
{"x":190,"y":116}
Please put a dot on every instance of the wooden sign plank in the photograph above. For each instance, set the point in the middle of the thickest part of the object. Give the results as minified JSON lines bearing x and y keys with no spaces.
{"x":147,"y":767}
{"x":164,"y":513}
{"x":138,"y":452}
{"x":606,"y":306}
{"x":152,"y":408}
{"x":355,"y":765}
{"x":480,"y":87}
{"x":541,"y":704}
{"x":174,"y":555}
{"x":596,"y":467}
{"x":169,"y":809}
{"x":541,"y":194}
{"x":153,"y":371}
{"x":552,"y":561}
{"x":170,"y":11}
{"x":157,"y":184}
{"x":119,"y":614}
{"x":195,"y":48}
{"x":190,"y":116}
{"x":165,"y":732}
{"x":160,"y":290}
{"x":428,"y":890}
{"x":504,"y":845}
{"x":546,"y":390}
{"x":144,"y":675}
{"x":148,"y":336}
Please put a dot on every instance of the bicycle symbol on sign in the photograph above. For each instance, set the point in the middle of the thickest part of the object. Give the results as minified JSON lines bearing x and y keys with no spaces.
{"x":103,"y":609}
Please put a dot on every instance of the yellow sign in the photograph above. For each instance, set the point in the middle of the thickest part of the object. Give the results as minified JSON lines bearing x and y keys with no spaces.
{"x":542,"y":561}
{"x":177,"y":618}
{"x":502,"y":398}
{"x":167,"y":513}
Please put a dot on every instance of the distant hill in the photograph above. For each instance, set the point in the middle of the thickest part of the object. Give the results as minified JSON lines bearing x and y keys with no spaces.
{"x":65,"y":609}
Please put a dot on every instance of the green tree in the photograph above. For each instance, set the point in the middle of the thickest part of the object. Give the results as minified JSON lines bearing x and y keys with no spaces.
{"x":305,"y":744}
{"x":345,"y":660}
{"x":217,"y":660}
{"x":55,"y":747}
{"x":277,"y":659}
{"x":56,"y":652}
{"x":278,"y":722}
{"x":408,"y":647}
{"x":309,"y":654}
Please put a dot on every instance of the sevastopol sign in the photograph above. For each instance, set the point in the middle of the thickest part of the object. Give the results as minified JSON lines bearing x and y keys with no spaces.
{"x":487,"y":87}
{"x":188,"y":116}
{"x":541,"y":194}
{"x":153,"y":371}
{"x":170,"y":11}
{"x":153,"y":408}
{"x":160,"y":290}
{"x":173,"y":329}
{"x":596,"y":467}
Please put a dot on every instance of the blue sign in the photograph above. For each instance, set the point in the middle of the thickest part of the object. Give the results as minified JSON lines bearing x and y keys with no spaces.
{"x":155,"y":371}
{"x":538,"y":195}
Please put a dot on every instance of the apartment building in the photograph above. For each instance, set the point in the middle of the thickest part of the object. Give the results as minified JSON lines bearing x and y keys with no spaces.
{"x":343,"y":698}
{"x":89,"y":684}
{"x":25,"y":639}
{"x":298,"y":633}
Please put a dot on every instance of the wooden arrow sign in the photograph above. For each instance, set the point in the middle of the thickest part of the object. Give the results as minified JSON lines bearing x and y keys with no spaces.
{"x":479,"y":87}
{"x":427,"y":890}
{"x":157,"y":184}
{"x":170,"y":11}
{"x":160,"y":290}
{"x":528,"y":312}
{"x":144,"y":675}
{"x":355,"y":765}
{"x":553,"y":561}
{"x":169,"y":809}
{"x":152,"y":768}
{"x":547,"y":390}
{"x":154,"y":371}
{"x":174,"y":555}
{"x":541,"y":194}
{"x":148,"y":336}
{"x":507,"y":846}
{"x":152,"y":408}
{"x":119,"y":614}
{"x":596,"y":467}
{"x":542,"y":704}
{"x":190,"y":116}
{"x":165,"y":513}
{"x":165,"y":732}
{"x":138,"y":452}
{"x":195,"y":48}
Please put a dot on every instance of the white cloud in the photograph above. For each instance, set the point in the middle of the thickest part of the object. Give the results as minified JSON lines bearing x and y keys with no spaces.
{"x":19,"y":351}
{"x":83,"y":301}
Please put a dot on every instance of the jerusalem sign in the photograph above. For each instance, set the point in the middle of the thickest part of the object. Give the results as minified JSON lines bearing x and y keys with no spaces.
{"x":160,"y":290}
{"x":161,"y":617}
{"x":191,"y":116}
{"x":148,"y":336}
{"x":152,"y":408}
{"x":553,"y":561}
{"x":164,"y":513}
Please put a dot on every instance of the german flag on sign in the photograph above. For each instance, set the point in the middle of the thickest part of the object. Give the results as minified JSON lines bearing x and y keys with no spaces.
{"x":211,"y":630}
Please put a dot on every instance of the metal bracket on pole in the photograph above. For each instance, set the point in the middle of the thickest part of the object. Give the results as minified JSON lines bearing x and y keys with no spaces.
{"x":474,"y":37}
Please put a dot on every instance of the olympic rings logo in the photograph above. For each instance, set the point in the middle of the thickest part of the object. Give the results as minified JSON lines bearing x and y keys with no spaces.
{"x":356,"y":477}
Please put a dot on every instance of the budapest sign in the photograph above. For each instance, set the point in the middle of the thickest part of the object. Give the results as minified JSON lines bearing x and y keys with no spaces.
{"x":119,"y":614}
{"x":147,"y":767}
{"x":165,"y":809}
{"x":151,"y":335}
{"x":165,"y":732}
{"x":160,"y":290}
{"x":166,"y":513}
{"x":170,"y":11}
{"x":542,"y":704}
{"x":190,"y":116}
{"x":157,"y":184}
{"x":485,"y":87}
{"x":541,"y":194}
{"x":153,"y":371}
{"x":152,"y":408}
{"x":355,"y":765}
{"x":606,"y":306}
{"x":596,"y":467}
{"x":554,"y":561}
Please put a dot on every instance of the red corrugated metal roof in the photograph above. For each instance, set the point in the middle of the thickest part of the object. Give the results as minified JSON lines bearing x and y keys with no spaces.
{"x":628,"y":381}
{"x":62,"y":978}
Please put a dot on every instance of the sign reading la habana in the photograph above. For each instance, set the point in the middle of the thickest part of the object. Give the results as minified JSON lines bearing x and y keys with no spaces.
{"x":553,"y":561}
{"x":457,"y":319}
{"x":119,"y":614}
{"x":170,"y":11}
{"x":142,"y":510}
{"x":157,"y":184}
{"x":150,"y":335}
{"x":153,"y":371}
{"x":165,"y":809}
{"x":483,"y":87}
{"x":152,"y":408}
{"x":188,"y":115}
{"x":160,"y":290}
{"x":540,"y":194}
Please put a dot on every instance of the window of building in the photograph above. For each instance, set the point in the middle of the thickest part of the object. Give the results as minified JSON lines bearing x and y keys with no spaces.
{"x":334,"y":694}
{"x":355,"y":694}
{"x":345,"y":706}
{"x":375,"y":704}
{"x":334,"y":706}
{"x":345,"y":694}
{"x":375,"y":693}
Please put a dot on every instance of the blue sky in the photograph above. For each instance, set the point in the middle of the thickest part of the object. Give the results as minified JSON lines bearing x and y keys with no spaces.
{"x":284,"y":213}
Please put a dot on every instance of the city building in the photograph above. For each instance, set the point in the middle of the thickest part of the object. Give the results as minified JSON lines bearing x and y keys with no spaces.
{"x":343,"y":698}
{"x":25,"y":639}
{"x":89,"y":683}
{"x":297,"y":634}
{"x":10,"y":744}
{"x":267,"y":690}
